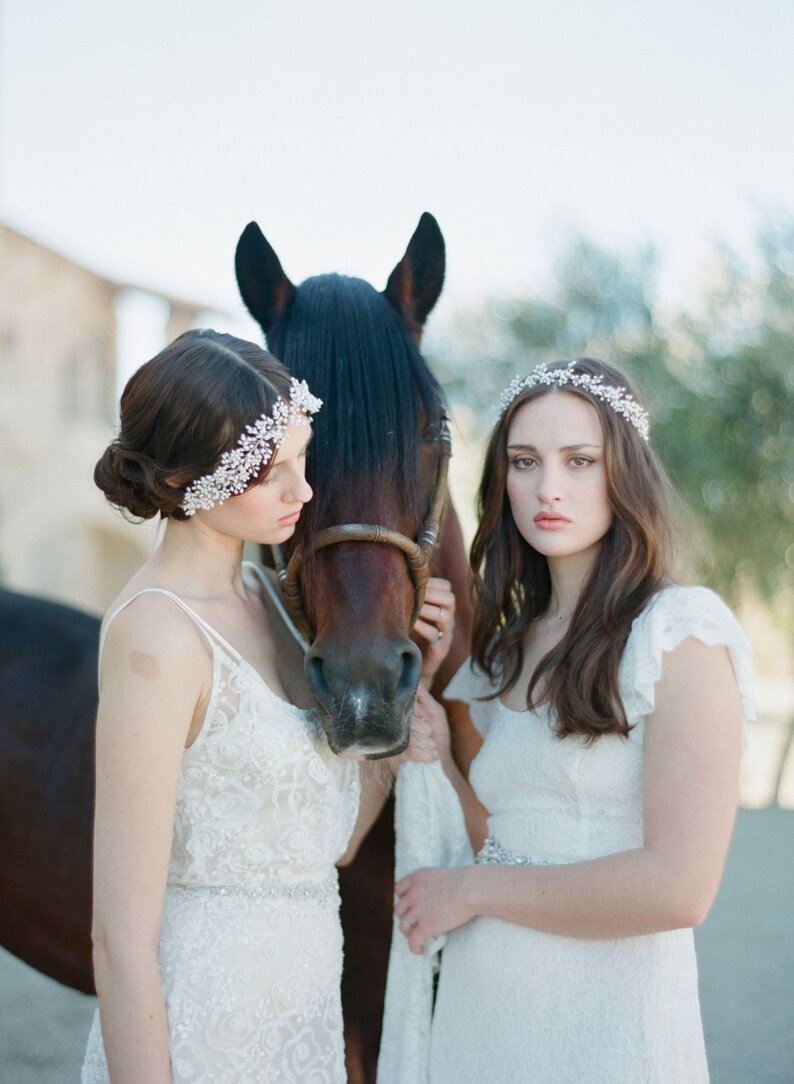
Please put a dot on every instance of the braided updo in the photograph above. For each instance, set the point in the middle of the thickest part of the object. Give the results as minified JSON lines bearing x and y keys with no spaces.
{"x":179,"y":413}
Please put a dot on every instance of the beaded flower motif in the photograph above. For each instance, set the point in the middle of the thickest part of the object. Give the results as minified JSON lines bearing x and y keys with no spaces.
{"x":615,"y":397}
{"x":253,"y":450}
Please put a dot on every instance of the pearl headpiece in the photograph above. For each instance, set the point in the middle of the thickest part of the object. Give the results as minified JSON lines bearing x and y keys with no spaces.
{"x":621,"y":401}
{"x":252,"y":451}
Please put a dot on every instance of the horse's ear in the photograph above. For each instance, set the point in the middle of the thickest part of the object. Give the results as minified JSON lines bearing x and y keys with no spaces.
{"x":415,"y":283}
{"x":264,"y":287}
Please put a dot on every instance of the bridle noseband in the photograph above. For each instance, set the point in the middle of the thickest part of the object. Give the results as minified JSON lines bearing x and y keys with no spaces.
{"x":418,"y":554}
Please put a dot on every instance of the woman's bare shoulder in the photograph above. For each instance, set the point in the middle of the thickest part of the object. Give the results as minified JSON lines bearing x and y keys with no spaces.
{"x":148,"y":617}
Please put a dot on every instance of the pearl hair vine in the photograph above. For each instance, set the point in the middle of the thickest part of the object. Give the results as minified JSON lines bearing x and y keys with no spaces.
{"x":253,"y":450}
{"x":621,"y":401}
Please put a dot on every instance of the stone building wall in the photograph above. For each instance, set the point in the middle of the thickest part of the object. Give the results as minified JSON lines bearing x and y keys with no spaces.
{"x":58,"y":410}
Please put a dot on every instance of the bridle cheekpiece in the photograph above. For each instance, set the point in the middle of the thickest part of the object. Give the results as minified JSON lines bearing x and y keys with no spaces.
{"x":418,"y":554}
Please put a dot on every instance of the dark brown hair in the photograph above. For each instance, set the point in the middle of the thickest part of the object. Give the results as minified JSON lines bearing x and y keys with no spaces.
{"x":513,"y":586}
{"x":179,"y":413}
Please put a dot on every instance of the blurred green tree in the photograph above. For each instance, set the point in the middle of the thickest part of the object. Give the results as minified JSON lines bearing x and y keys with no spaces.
{"x":719,"y":379}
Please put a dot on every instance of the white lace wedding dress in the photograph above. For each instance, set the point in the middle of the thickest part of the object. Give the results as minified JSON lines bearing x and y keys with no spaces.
{"x":515,"y":1005}
{"x":250,"y":950}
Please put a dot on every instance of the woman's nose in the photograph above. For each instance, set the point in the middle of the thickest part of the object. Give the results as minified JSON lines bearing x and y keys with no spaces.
{"x":299,"y":490}
{"x":549,"y":486}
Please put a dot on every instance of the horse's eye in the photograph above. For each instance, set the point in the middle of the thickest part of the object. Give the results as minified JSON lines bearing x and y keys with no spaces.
{"x":435,"y":429}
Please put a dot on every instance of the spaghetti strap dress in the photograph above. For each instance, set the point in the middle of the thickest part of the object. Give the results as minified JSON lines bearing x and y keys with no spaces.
{"x":515,"y":1004}
{"x":250,"y":949}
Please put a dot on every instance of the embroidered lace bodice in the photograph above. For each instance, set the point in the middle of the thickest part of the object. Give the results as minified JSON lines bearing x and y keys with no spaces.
{"x":250,"y":946}
{"x":515,"y":1004}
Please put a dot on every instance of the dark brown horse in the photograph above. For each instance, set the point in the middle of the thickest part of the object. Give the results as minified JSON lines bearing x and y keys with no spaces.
{"x":374,"y":461}
{"x":48,"y":701}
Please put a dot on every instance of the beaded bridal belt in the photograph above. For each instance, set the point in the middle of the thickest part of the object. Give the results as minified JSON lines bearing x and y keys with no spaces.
{"x":493,"y":852}
{"x":266,"y":889}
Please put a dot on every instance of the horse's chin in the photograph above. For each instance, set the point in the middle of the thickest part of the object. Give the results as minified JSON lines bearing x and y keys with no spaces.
{"x":361,"y":753}
{"x":348,"y":738}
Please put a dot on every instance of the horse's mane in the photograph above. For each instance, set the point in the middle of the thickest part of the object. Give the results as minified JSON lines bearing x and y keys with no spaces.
{"x":347,"y":341}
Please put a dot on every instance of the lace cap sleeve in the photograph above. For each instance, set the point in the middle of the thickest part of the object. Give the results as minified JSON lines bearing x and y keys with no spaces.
{"x":672,"y":616}
{"x":467,"y":685}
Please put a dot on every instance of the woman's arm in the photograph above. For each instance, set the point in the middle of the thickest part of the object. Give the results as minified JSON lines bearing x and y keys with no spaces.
{"x":376,"y":779}
{"x":155,"y":672}
{"x":692,"y":749}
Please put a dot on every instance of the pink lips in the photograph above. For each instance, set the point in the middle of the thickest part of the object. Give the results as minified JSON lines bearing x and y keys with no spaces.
{"x":548,"y":521}
{"x":288,"y":521}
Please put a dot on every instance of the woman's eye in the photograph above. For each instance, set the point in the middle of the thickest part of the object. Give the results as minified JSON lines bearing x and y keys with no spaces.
{"x":580,"y":460}
{"x":523,"y":462}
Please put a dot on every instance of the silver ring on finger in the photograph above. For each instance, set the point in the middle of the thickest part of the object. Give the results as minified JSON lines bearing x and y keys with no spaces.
{"x":440,"y":612}
{"x":439,"y":638}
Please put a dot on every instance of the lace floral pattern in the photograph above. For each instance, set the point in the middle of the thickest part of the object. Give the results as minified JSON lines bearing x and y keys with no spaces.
{"x":251,"y":976}
{"x":557,"y":1010}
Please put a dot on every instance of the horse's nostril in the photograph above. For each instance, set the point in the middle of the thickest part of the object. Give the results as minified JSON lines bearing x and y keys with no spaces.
{"x":317,"y":678}
{"x":411,"y":668}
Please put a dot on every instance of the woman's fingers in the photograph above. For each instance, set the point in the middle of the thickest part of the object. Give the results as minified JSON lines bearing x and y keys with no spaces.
{"x":437,"y":615}
{"x":436,"y":625}
{"x":401,"y":887}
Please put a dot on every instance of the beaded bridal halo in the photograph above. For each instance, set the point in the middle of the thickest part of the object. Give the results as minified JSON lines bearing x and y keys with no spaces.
{"x":253,"y":450}
{"x":621,"y":401}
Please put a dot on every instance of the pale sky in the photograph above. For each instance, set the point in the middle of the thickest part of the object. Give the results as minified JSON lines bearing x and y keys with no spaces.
{"x":140,"y":137}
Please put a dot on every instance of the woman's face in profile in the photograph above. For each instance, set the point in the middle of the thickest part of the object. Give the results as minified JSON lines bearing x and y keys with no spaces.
{"x":268,"y":511}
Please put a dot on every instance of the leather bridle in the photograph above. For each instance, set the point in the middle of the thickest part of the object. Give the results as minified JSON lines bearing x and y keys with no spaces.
{"x":418,"y":554}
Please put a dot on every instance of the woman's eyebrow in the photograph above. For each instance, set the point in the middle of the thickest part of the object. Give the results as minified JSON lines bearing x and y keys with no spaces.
{"x":565,"y":447}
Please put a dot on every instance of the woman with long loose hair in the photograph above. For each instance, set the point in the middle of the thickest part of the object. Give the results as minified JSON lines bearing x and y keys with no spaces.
{"x":610,"y":701}
{"x":221,"y":810}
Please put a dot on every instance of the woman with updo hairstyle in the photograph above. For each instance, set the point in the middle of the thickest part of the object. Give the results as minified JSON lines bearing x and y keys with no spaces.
{"x":221,"y":811}
{"x":610,"y":702}
{"x":179,"y":413}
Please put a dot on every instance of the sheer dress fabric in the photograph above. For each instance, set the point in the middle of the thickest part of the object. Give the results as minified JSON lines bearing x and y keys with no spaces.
{"x":514,"y":1004}
{"x":250,"y":950}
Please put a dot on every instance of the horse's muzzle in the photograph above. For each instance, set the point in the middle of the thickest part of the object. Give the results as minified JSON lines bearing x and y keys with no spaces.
{"x":366,"y":693}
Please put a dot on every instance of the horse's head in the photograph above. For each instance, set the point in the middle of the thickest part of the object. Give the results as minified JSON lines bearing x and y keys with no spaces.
{"x":379,"y":447}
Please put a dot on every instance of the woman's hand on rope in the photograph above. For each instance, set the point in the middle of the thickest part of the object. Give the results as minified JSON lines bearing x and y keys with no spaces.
{"x":435,"y":625}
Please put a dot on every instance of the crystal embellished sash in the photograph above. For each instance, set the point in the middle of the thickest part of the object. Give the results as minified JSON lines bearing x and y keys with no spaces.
{"x":492,"y":852}
{"x":266,"y":889}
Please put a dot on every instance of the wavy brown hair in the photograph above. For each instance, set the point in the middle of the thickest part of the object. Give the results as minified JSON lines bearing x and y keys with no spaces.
{"x":513,"y":586}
